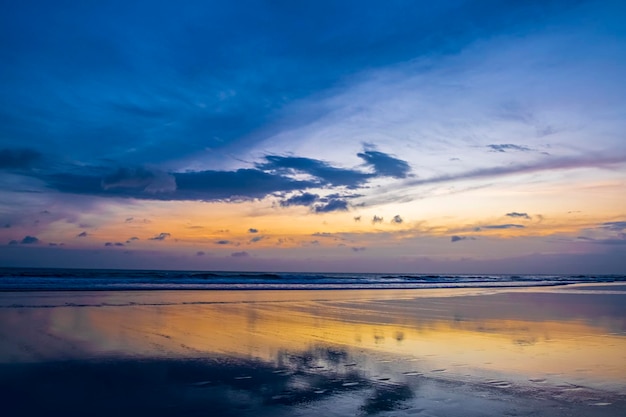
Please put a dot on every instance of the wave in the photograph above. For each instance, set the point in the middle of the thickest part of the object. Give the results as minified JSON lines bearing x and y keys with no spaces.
{"x":14,"y":279}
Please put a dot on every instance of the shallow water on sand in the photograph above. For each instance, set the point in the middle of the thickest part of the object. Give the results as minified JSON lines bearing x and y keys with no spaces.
{"x":541,"y":351}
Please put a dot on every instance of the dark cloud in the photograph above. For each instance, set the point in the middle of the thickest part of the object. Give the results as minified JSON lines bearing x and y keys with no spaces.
{"x":377,"y":219}
{"x":332,"y":205}
{"x":614,"y":226}
{"x":274,"y":175}
{"x":82,"y":234}
{"x":223,"y":242}
{"x":119,"y":244}
{"x":14,"y":242}
{"x":199,"y":185}
{"x":358,"y":248}
{"x":256,"y":239}
{"x":304,"y":199}
{"x":385,"y":165}
{"x":504,"y":226}
{"x":240,"y":184}
{"x":322,"y":234}
{"x":131,"y":239}
{"x":519,"y":215}
{"x":240,"y":254}
{"x":505,"y":147}
{"x":397,"y":219}
{"x":455,"y":238}
{"x":161,"y":236}
{"x":139,"y":180}
{"x":200,"y":253}
{"x":18,"y":158}
{"x":29,"y":240}
{"x":357,"y":218}
{"x":253,"y":230}
{"x":325,"y":174}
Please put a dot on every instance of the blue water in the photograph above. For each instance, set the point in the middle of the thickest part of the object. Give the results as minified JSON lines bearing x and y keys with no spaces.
{"x":19,"y":279}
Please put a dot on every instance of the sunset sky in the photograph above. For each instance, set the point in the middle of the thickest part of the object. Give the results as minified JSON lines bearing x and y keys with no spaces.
{"x":356,"y":136}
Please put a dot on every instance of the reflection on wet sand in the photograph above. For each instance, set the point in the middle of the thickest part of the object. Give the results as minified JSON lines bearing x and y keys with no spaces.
{"x":365,"y":352}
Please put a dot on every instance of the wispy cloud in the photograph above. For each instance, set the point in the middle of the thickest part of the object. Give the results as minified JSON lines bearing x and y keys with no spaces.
{"x":548,"y":164}
{"x":161,"y":236}
{"x":506,"y":147}
{"x":456,"y":238}
{"x":503,"y":226}
{"x":515,"y":214}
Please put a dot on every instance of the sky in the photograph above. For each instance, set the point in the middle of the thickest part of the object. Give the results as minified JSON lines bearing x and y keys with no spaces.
{"x":340,"y":136}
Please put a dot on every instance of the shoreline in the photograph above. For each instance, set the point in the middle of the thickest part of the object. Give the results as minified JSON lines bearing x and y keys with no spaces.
{"x":547,"y":350}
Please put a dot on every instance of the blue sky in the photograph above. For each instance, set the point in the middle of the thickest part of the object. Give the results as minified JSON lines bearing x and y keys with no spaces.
{"x":309,"y":121}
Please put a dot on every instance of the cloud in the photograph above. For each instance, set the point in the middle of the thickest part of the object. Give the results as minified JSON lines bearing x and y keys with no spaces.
{"x":256,"y":239}
{"x":131,"y":239}
{"x":304,"y":199}
{"x":357,"y":218}
{"x":200,"y":253}
{"x":252,"y":230}
{"x":332,"y":205}
{"x":519,"y":215}
{"x":161,"y":236}
{"x":397,"y":219}
{"x":82,"y":234}
{"x":503,"y":226}
{"x":139,"y":179}
{"x":505,"y":147}
{"x":618,"y":240}
{"x":223,"y":242}
{"x":29,"y":240}
{"x":240,"y":254}
{"x":358,"y":248}
{"x":18,"y":158}
{"x":206,"y":185}
{"x":455,"y":238}
{"x":13,"y":242}
{"x":547,"y":164}
{"x":324,"y":173}
{"x":377,"y":219}
{"x":322,"y":234}
{"x":614,"y":226}
{"x":385,"y":165}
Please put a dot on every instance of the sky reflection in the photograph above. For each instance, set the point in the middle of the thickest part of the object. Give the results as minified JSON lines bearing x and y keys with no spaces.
{"x":374,"y":350}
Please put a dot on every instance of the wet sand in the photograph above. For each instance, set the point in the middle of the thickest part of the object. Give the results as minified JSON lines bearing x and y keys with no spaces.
{"x":454,"y":352}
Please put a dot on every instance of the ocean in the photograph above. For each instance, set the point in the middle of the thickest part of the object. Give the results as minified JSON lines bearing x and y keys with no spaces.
{"x":39,"y":279}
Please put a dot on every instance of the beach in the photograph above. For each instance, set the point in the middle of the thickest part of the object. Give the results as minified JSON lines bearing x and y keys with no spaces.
{"x":549,"y":351}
